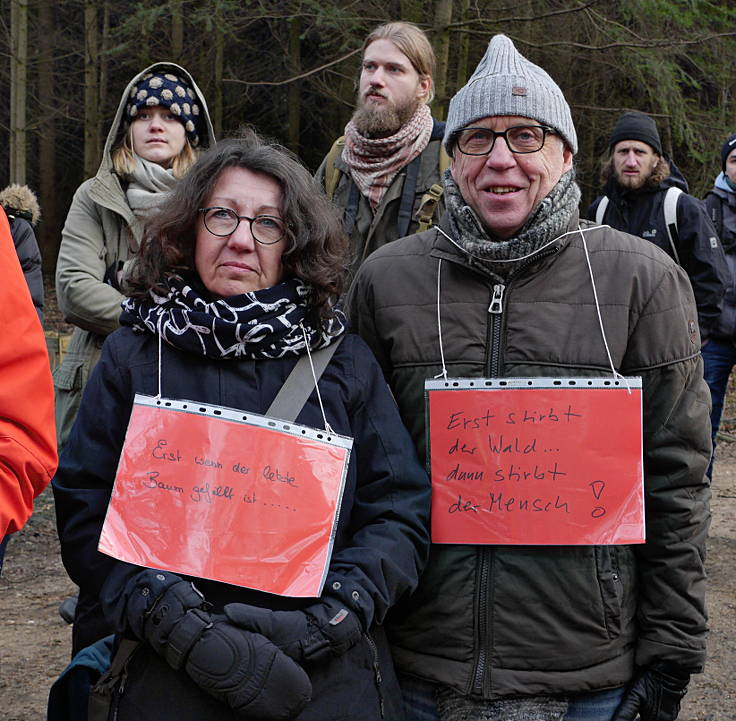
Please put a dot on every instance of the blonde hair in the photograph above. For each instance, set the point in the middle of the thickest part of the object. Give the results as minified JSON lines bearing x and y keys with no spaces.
{"x":124,"y":159}
{"x":414,"y":43}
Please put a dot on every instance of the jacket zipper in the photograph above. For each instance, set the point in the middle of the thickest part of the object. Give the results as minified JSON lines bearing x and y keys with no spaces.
{"x":493,"y":369}
{"x":495,"y":309}
{"x":377,"y":673}
{"x":483,"y":587}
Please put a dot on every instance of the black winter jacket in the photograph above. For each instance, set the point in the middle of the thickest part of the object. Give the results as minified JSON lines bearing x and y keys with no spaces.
{"x":381,"y":541}
{"x":721,"y":206}
{"x":29,"y":256}
{"x":498,"y":621}
{"x":641,"y":213}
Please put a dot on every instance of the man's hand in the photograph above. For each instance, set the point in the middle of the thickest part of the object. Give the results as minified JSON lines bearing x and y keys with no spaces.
{"x":655,"y":695}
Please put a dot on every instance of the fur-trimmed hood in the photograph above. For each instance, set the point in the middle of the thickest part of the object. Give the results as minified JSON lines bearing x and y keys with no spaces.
{"x":21,"y":202}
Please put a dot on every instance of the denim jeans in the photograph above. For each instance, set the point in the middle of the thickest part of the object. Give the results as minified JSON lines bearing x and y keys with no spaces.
{"x":719,"y":357}
{"x":419,"y":703}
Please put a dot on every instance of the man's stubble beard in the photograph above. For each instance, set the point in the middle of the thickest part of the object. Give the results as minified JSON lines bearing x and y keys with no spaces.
{"x":382,"y":122}
{"x":632,"y":183}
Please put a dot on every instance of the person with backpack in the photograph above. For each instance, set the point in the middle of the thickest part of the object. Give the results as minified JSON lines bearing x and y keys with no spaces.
{"x":385,"y":173}
{"x":719,"y":355}
{"x":645,"y":194}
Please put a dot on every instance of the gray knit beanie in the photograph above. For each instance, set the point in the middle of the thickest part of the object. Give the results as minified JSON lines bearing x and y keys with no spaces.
{"x":506,"y":83}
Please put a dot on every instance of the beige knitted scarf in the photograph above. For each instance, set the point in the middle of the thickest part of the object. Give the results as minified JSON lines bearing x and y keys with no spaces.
{"x":375,"y":162}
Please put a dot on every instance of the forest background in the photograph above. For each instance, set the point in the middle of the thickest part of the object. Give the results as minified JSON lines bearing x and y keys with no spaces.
{"x":289,"y":68}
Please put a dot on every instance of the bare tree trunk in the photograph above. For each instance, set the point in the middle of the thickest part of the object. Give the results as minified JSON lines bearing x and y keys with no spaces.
{"x":462,"y":44}
{"x":91,"y":91}
{"x":442,"y":19}
{"x":48,"y":235}
{"x":295,"y":65}
{"x":218,"y":70}
{"x":177,"y":30}
{"x":104,"y":58}
{"x":18,"y":88}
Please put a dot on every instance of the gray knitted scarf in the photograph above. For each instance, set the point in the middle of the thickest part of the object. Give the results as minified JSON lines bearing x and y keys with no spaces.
{"x":451,"y":706}
{"x":548,"y":220}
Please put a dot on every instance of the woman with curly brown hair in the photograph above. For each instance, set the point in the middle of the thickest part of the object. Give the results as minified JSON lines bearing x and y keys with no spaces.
{"x":238,"y":277}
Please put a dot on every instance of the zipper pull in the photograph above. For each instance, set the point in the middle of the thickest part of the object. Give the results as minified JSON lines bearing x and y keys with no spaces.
{"x":496,"y":305}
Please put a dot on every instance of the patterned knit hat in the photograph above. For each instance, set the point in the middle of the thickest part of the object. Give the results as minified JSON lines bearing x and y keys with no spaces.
{"x":171,"y":92}
{"x":506,"y":83}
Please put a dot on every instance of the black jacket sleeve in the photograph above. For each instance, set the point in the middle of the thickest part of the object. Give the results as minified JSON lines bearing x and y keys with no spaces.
{"x":703,"y":258}
{"x":30,"y":260}
{"x":389,"y":518}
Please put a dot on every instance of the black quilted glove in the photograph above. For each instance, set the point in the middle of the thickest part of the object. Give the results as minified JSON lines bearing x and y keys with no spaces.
{"x":322,"y":630}
{"x":241,"y":669}
{"x":655,"y":695}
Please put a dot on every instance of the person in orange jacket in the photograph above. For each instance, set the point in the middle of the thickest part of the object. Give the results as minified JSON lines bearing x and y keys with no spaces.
{"x":28,"y":456}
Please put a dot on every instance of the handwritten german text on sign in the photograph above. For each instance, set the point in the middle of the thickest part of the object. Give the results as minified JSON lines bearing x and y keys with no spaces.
{"x":225,"y":495}
{"x":536,"y":461}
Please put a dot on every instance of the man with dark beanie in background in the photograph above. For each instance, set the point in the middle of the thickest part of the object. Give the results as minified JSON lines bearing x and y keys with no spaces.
{"x":645,"y":194}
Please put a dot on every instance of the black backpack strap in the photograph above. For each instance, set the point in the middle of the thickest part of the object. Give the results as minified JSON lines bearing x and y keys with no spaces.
{"x":407,"y":196}
{"x":297,"y":388}
{"x":715,"y":211}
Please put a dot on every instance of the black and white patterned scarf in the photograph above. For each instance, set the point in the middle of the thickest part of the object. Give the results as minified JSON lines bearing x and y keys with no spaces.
{"x":262,"y":324}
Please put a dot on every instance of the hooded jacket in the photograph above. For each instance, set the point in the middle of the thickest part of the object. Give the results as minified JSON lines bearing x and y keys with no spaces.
{"x":100,"y":233}
{"x":21,"y":206}
{"x":721,"y":206}
{"x":498,"y":621}
{"x":27,"y":438}
{"x":640,"y":212}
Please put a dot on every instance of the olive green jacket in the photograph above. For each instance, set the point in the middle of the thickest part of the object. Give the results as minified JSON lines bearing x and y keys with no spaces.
{"x":371,"y":229}
{"x":498,"y":621}
{"x":100,"y":231}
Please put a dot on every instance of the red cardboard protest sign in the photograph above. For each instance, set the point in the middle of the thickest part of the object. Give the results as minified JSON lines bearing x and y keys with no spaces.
{"x":225,"y":495}
{"x":536,"y":461}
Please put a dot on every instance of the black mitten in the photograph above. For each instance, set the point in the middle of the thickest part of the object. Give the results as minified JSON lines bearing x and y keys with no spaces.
{"x":241,"y":669}
{"x":324,"y":629}
{"x":248,"y":673}
{"x":655,"y":695}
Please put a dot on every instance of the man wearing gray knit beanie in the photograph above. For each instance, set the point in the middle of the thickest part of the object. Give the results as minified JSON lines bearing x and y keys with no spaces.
{"x":512,"y":284}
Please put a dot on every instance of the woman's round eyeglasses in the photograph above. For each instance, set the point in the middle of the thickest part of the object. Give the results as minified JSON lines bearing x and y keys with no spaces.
{"x":265,"y":229}
{"x":519,"y":139}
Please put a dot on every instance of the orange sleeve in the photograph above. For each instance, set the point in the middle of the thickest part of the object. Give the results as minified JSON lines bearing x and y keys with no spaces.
{"x":27,"y":430}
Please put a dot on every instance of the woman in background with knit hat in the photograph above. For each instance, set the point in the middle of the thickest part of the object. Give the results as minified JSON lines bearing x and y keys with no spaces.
{"x":161,"y":121}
